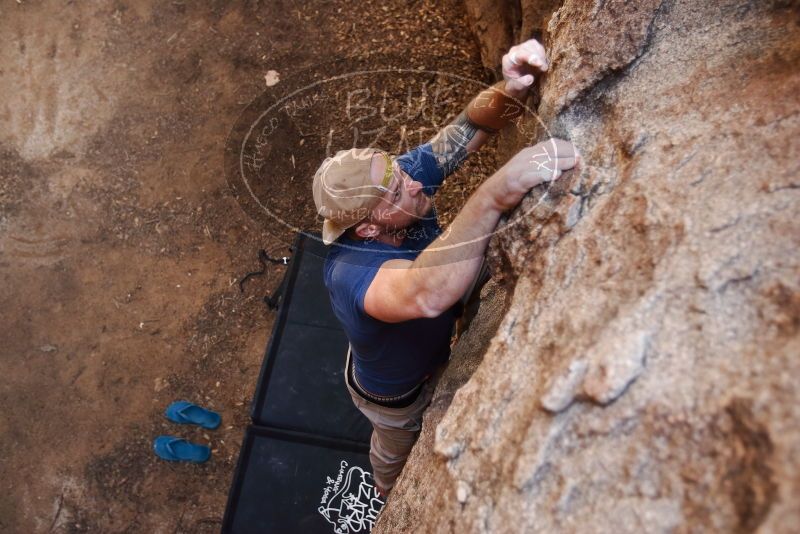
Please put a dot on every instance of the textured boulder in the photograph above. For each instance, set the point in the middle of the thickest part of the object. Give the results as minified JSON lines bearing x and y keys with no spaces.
{"x":641,"y":375}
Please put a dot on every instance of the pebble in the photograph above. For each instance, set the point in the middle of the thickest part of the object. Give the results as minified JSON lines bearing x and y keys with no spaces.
{"x":272,"y":77}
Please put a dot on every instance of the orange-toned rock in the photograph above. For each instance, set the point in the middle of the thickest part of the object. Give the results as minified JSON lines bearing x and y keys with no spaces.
{"x":643,"y":377}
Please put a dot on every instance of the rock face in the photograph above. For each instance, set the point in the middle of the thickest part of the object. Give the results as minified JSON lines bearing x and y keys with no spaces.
{"x":643,"y":374}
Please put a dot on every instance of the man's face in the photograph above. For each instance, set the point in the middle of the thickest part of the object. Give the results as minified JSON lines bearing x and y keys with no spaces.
{"x":404,"y":203}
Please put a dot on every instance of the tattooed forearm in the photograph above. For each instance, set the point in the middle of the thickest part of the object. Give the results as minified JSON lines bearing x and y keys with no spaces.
{"x":450,"y":144}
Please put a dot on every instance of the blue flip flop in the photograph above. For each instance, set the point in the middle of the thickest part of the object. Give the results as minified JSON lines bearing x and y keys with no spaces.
{"x":186,"y":413}
{"x":179,"y":450}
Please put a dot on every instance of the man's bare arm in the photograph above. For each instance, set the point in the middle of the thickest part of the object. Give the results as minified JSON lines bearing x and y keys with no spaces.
{"x":443,"y":272}
{"x":491,"y":109}
{"x":487,"y":113}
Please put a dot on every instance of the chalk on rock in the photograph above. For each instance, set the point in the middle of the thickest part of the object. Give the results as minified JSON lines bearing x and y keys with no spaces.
{"x":449,"y":449}
{"x":462,"y":491}
{"x":615,"y":363}
{"x":562,"y":389}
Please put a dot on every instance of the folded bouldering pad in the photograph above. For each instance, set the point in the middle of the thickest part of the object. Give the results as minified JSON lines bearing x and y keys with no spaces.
{"x":301,"y":387}
{"x":294,"y":482}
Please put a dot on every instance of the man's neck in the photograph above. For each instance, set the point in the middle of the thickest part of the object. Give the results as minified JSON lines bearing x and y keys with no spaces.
{"x":392,"y":239}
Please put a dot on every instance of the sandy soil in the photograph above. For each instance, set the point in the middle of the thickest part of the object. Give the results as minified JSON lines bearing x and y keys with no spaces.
{"x":121,"y":243}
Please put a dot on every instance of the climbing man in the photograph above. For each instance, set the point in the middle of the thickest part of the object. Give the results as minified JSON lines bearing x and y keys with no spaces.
{"x":394,"y":276}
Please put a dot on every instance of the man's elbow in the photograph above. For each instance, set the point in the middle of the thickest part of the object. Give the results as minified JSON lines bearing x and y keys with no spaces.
{"x":430,"y":305}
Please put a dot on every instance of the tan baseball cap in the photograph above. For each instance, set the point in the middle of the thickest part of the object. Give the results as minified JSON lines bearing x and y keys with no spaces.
{"x":343,"y":191}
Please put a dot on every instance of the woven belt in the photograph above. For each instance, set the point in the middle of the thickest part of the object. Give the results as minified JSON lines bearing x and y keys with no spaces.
{"x":395,"y":401}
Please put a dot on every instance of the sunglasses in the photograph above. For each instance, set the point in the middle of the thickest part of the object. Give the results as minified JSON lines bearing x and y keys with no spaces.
{"x":387,"y":174}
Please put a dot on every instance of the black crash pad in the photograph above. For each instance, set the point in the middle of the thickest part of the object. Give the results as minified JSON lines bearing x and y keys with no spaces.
{"x":291,"y":482}
{"x":306,"y":298}
{"x":301,"y":387}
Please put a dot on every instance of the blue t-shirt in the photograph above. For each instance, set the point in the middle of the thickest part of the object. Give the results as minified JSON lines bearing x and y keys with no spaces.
{"x":389,"y":358}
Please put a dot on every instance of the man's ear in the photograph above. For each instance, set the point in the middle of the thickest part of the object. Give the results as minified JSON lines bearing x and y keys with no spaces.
{"x":367,"y":230}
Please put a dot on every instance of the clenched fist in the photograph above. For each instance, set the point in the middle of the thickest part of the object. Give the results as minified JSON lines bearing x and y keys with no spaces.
{"x":520,"y":63}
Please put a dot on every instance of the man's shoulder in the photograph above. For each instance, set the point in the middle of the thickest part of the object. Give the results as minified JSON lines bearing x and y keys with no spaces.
{"x":349,"y":272}
{"x":347,"y":253}
{"x":364,"y":253}
{"x":348,"y":261}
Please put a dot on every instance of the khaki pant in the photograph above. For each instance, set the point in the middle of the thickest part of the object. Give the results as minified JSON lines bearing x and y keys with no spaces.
{"x":394,"y":432}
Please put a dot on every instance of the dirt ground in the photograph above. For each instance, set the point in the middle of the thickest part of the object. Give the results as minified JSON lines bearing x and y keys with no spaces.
{"x":121,"y":243}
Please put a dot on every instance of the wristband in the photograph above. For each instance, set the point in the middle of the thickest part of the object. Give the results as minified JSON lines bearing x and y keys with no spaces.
{"x":493,"y":108}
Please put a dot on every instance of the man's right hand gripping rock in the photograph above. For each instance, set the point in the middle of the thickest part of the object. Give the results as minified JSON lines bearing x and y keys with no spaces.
{"x":531,"y":166}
